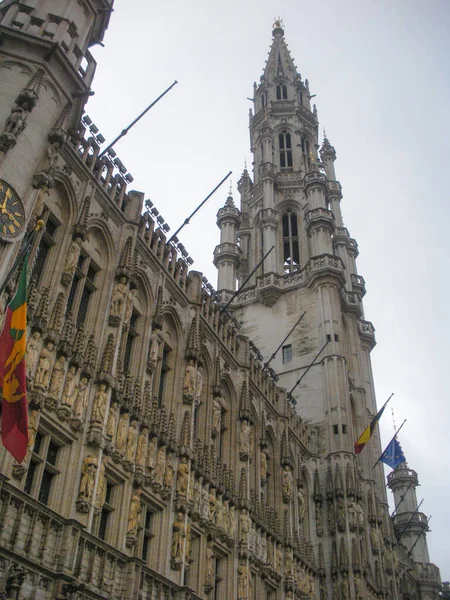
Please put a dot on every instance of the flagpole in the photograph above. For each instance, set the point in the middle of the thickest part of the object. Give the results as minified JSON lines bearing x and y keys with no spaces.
{"x":127,"y":129}
{"x":274,"y":354}
{"x":187,"y":221}
{"x":28,"y":242}
{"x":393,"y":437}
{"x":246,"y":281}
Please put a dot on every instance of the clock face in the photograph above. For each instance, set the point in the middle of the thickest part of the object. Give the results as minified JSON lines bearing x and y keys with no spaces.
{"x":12,"y":213}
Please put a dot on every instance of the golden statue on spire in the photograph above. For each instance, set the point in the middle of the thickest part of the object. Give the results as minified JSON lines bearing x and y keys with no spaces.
{"x":278,"y":23}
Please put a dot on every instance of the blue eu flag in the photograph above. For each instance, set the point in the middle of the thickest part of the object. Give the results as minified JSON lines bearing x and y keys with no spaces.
{"x":393,"y":455}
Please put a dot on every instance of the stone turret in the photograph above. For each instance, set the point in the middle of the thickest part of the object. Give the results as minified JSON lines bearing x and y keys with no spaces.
{"x":411,"y":527}
{"x":227,"y":253}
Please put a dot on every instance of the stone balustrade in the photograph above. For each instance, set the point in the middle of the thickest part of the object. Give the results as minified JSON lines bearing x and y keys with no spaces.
{"x":37,"y":540}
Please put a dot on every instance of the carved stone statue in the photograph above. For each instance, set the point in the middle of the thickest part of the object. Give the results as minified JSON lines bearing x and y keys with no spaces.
{"x":111,"y":423}
{"x":210,"y":575}
{"x":72,"y":257}
{"x":198,"y":386}
{"x":119,"y":297}
{"x":17,"y":119}
{"x":244,"y":528}
{"x":33,"y":420}
{"x":301,"y":503}
{"x":130,"y":305}
{"x":168,"y":473}
{"x":99,"y":408}
{"x":100,"y":496}
{"x":287,"y":484}
{"x":70,"y":387}
{"x":245,"y":437}
{"x":183,"y":477}
{"x":212,"y":502}
{"x":360,"y":516}
{"x":352,"y":515}
{"x":219,"y":512}
{"x":340,"y":515}
{"x":134,"y":513}
{"x":87,"y":480}
{"x":178,"y":537}
{"x":58,"y":373}
{"x":32,"y":356}
{"x":204,"y":503}
{"x":51,"y":156}
{"x":79,"y":405}
{"x":160,"y":466}
{"x":141,"y":451}
{"x":243,"y":582}
{"x":155,"y":342}
{"x":132,"y":437}
{"x":216,"y":416}
{"x":263,"y":466}
{"x":122,"y":431}
{"x":232,"y":527}
{"x":190,"y":378}
{"x":42,"y":376}
{"x":152,"y":453}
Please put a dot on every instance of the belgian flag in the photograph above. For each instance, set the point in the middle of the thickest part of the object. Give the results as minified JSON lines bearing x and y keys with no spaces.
{"x":13,"y":344}
{"x":367,"y":433}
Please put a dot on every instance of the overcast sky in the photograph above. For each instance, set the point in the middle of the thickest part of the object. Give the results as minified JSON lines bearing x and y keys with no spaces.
{"x":380,"y":70}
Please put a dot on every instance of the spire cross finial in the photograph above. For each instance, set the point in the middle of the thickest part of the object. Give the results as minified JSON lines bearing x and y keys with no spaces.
{"x":245,"y":163}
{"x":230,"y":191}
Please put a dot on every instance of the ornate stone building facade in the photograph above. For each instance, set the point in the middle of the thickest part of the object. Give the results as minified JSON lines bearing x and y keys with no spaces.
{"x":165,"y":460}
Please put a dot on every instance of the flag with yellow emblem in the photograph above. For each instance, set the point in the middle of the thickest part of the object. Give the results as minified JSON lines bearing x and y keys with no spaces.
{"x":13,"y":344}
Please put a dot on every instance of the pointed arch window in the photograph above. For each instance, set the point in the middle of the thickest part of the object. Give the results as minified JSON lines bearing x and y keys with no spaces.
{"x":82,"y":288}
{"x":306,"y":152}
{"x":285,"y":148}
{"x":282,"y":92}
{"x":291,"y":253}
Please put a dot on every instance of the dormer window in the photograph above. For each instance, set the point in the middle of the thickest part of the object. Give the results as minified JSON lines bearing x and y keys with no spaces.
{"x":285,"y":148}
{"x":281,"y":92}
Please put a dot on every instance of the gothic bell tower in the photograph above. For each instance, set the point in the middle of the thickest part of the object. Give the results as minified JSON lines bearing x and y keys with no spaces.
{"x":292,"y":203}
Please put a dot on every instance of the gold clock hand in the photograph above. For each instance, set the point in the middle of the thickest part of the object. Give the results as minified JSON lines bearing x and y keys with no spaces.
{"x":12,"y":217}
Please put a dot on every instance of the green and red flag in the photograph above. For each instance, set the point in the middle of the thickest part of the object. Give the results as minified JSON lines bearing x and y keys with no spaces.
{"x":13,"y":344}
{"x":367,"y":433}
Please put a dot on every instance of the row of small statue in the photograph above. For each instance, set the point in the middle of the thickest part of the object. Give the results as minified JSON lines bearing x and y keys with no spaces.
{"x":337,"y":512}
{"x":52,"y":376}
{"x":211,"y":507}
{"x":87,"y":486}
